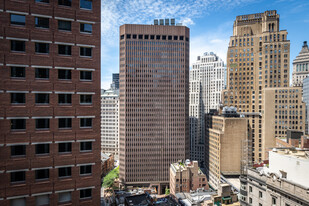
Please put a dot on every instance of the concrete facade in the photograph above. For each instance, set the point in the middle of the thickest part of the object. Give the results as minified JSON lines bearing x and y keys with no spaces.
{"x":225,"y":147}
{"x":301,"y":66}
{"x":280,"y":184}
{"x":50,"y":103}
{"x":154,"y":102}
{"x":207,"y":80}
{"x":110,"y":122}
{"x":258,"y":57}
{"x":187,"y":176}
{"x":284,"y":110}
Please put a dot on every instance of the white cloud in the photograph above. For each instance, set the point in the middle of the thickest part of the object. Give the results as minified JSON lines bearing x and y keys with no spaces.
{"x":118,"y":12}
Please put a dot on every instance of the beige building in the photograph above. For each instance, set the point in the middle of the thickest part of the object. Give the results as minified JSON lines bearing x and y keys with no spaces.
{"x":225,"y":146}
{"x":187,"y":176}
{"x":284,"y":110}
{"x":258,"y":57}
{"x":301,"y":66}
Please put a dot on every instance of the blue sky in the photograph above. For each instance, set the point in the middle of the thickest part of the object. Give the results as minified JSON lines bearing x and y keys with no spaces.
{"x":210,"y":23}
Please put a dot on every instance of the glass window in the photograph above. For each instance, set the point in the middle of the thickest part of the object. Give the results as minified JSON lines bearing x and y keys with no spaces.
{"x":64,"y":172}
{"x":18,"y":150}
{"x":17,"y":19}
{"x":42,"y":200}
{"x":85,"y":170}
{"x":65,"y":50}
{"x":42,"y":48}
{"x":64,"y":25}
{"x":41,"y":73}
{"x":65,"y":147}
{"x":85,"y":146}
{"x":41,"y":22}
{"x":65,"y":123}
{"x":41,"y":174}
{"x":18,"y":202}
{"x":86,"y":75}
{"x":42,"y":149}
{"x":85,"y":99}
{"x":65,"y":2}
{"x":86,"y":28}
{"x":86,"y":123}
{"x":42,"y":124}
{"x":18,"y":46}
{"x":18,"y":124}
{"x":86,"y":193}
{"x":42,"y":98}
{"x":64,"y":197}
{"x":18,"y":72}
{"x":86,"y":4}
{"x":65,"y":98}
{"x":85,"y":52}
{"x":18,"y":98}
{"x":64,"y":74}
{"x":19,"y":176}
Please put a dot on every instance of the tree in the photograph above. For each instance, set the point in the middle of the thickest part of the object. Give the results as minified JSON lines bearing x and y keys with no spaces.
{"x":109,"y":179}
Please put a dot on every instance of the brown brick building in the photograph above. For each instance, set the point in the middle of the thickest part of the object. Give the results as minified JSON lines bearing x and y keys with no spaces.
{"x":185,"y":177}
{"x":50,"y":102}
{"x":154,"y":101}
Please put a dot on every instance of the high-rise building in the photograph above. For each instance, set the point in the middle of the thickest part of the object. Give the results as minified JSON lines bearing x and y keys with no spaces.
{"x":115,"y":82}
{"x":226,"y":138}
{"x":207,"y":80}
{"x":258,"y":57}
{"x":301,"y":66}
{"x":154,"y":102}
{"x":283,"y":111}
{"x":109,"y":122}
{"x":306,"y":100}
{"x":50,"y":102}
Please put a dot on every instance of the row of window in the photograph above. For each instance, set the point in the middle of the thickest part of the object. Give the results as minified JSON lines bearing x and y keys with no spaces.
{"x":43,"y":174}
{"x":44,"y":124}
{"x":44,"y":149}
{"x":43,"y":73}
{"x":43,"y":23}
{"x":43,"y":48}
{"x":63,"y":197}
{"x":153,"y":37}
{"x":41,"y":98}
{"x":83,"y":4}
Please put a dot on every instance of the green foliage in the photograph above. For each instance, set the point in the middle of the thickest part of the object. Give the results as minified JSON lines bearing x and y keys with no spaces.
{"x":167,"y":191}
{"x":108,"y":180}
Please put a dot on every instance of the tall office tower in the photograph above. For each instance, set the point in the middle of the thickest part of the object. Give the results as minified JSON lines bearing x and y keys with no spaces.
{"x":50,"y":102}
{"x":301,"y":66}
{"x":306,"y":100}
{"x":227,"y":134}
{"x":115,"y":82}
{"x":154,"y":102}
{"x":109,"y":122}
{"x":207,"y":80}
{"x":258,"y":57}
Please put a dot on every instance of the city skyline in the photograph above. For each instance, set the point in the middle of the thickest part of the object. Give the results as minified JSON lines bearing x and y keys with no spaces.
{"x":211,"y":24}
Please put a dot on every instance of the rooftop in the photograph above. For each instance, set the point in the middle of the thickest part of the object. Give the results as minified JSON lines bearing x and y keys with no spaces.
{"x":293,"y":152}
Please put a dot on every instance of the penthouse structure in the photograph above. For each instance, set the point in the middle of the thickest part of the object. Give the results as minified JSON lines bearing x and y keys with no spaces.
{"x":258,"y":57}
{"x":50,"y":102}
{"x":154,"y":102}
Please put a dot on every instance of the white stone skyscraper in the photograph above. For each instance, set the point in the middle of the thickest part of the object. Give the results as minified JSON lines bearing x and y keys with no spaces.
{"x":301,"y":66}
{"x":207,"y":80}
{"x":110,"y":122}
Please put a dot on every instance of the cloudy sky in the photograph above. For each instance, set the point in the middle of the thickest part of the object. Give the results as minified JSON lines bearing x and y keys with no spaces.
{"x":210,"y":23}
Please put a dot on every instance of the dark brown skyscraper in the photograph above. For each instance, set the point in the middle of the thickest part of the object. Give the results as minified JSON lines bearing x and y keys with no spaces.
{"x":154,"y":89}
{"x":50,"y":102}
